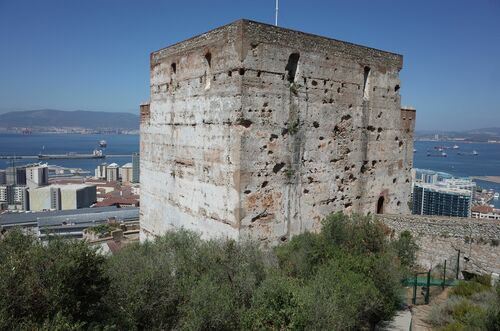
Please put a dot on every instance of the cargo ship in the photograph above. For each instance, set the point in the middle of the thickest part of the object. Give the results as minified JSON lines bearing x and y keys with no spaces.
{"x":96,"y":154}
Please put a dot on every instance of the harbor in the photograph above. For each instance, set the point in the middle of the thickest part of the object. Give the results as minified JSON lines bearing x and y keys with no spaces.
{"x":28,"y":157}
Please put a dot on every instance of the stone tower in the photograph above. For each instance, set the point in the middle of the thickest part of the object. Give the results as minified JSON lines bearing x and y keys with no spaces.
{"x":256,"y":130}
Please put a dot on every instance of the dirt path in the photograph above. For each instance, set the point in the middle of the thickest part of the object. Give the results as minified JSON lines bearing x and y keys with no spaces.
{"x":420,"y":313}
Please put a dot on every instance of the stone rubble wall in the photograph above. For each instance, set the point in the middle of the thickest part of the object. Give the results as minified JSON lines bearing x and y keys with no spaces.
{"x":440,"y":238}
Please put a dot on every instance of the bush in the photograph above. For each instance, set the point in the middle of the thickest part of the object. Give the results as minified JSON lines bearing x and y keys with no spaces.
{"x":406,"y":248}
{"x":468,"y":288}
{"x":56,"y":282}
{"x":346,"y":277}
{"x":472,"y":306}
{"x":277,"y":304}
{"x":180,"y":281}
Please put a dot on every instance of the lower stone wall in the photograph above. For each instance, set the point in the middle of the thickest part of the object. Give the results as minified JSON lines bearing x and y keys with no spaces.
{"x":440,"y":238}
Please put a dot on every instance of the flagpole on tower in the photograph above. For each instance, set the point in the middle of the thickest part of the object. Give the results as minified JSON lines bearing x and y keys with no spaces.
{"x":276,"y":18}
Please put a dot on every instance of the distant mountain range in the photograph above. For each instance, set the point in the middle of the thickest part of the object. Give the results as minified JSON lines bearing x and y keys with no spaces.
{"x":477,"y":135}
{"x":50,"y":118}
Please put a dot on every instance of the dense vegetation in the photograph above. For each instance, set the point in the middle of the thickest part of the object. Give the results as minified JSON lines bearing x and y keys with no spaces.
{"x":472,"y":305}
{"x":347,"y":277}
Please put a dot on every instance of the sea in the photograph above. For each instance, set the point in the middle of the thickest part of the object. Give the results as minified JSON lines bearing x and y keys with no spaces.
{"x":486,"y":163}
{"x":46,"y":143}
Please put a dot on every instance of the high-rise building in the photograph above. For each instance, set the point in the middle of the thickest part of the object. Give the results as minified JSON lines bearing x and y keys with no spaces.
{"x":112,"y":173}
{"x":3,"y":178}
{"x":37,"y":175}
{"x":126,"y":173}
{"x":100,"y":171}
{"x":135,"y":168}
{"x":14,"y":196}
{"x":15,"y":176}
{"x":432,"y":199}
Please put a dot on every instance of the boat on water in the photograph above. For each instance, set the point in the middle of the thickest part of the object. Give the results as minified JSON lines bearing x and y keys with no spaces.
{"x":96,"y":154}
{"x":496,"y":196}
{"x":456,"y":146}
{"x":442,"y":154}
{"x":474,"y":153}
{"x":103,"y":144}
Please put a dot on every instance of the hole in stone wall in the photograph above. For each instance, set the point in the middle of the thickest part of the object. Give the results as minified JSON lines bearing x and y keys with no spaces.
{"x":394,"y":180}
{"x":278,"y":167}
{"x":247,"y":192}
{"x":366,"y":82}
{"x":400,"y":144}
{"x":173,"y":66}
{"x":264,"y":184}
{"x":244,"y":122}
{"x":306,"y":191}
{"x":396,"y":88}
{"x":241,"y":71}
{"x":229,"y":73}
{"x":316,"y":124}
{"x":314,"y":83}
{"x":273,"y":136}
{"x":208,"y":58}
{"x":291,"y":66}
{"x":380,"y":205}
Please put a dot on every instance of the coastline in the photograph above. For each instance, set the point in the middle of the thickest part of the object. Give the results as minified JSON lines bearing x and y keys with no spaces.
{"x":491,"y":179}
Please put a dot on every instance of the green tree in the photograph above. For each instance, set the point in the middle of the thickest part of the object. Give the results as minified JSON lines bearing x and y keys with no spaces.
{"x":43,"y":282}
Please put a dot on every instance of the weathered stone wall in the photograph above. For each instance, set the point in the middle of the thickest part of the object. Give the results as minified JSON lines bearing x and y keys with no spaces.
{"x":260,"y":131}
{"x":440,"y":238}
{"x":189,"y":147}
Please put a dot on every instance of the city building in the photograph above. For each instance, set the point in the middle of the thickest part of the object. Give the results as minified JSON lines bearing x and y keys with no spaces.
{"x":135,"y":168}
{"x":37,"y":175}
{"x":100,"y":171}
{"x":3,"y":178}
{"x":14,"y":197}
{"x":62,"y":197}
{"x":259,"y":131}
{"x":486,"y":212}
{"x":15,"y":176}
{"x":45,"y":198}
{"x":433,"y":199}
{"x":68,"y":223}
{"x":20,"y":198}
{"x":112,"y":172}
{"x":126,"y":173}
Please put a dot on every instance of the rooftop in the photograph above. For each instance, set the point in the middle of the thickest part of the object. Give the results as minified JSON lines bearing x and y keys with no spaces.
{"x":248,"y":29}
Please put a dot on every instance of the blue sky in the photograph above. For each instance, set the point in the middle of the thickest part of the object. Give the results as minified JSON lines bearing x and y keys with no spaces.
{"x":94,"y":54}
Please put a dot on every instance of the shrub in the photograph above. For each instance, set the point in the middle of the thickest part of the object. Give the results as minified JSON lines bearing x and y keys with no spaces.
{"x":406,"y":248}
{"x":345,"y":277}
{"x":56,"y":282}
{"x":277,"y":304}
{"x":468,"y":288}
{"x":181,"y":281}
